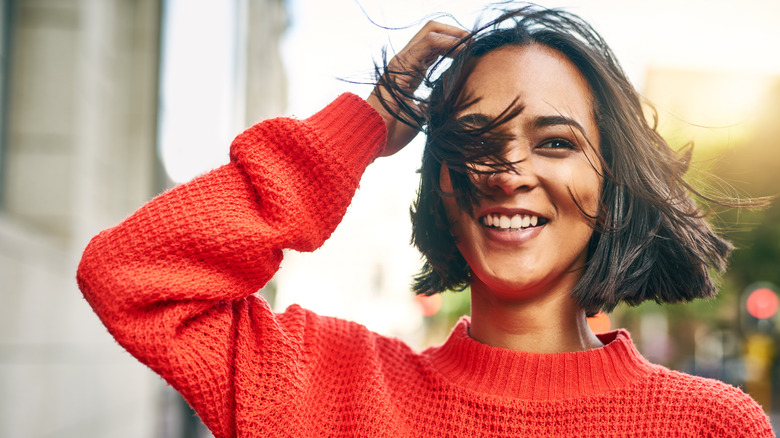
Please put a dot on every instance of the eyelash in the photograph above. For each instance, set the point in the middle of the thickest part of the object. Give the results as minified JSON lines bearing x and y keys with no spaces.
{"x":566,"y":144}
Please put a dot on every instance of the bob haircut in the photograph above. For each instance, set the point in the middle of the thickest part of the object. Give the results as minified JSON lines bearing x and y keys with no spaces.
{"x":650,"y":239}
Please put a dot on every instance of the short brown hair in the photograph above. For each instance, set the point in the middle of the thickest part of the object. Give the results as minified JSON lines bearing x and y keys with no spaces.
{"x":650,"y":239}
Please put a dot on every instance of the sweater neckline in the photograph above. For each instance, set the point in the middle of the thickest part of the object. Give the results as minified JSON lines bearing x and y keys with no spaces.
{"x":538,"y":376}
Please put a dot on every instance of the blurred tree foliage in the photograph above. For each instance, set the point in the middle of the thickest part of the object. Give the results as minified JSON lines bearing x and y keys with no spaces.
{"x":454,"y":305}
{"x":754,"y":169}
{"x":737,"y":164}
{"x":738,"y":169}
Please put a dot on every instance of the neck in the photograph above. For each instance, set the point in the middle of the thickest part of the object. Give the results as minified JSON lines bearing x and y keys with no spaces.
{"x":553,"y":324}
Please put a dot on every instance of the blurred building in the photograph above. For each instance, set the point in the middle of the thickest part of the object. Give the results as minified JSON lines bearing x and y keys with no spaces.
{"x":79,"y":87}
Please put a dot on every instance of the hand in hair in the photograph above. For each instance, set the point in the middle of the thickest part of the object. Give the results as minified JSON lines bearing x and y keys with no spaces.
{"x":407,"y":69}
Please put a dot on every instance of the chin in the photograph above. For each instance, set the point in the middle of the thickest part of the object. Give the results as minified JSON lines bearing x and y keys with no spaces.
{"x":505,"y":283}
{"x":507,"y":288}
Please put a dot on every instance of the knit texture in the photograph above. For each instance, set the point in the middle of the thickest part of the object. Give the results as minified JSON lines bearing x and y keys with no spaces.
{"x":175,"y":285}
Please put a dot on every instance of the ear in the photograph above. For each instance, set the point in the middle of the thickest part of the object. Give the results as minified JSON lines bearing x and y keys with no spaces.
{"x":445,"y":183}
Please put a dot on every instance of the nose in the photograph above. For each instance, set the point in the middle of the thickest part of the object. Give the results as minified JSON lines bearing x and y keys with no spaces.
{"x":520,"y":177}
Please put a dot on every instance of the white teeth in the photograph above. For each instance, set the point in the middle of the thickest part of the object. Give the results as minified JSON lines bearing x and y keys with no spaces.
{"x":505,"y":222}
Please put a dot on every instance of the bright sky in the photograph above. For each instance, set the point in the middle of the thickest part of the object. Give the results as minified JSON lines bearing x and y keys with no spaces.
{"x":367,"y":265}
{"x":335,"y":38}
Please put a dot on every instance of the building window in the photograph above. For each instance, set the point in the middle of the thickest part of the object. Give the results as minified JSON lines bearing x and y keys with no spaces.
{"x":6,"y":23}
{"x":201,"y":84}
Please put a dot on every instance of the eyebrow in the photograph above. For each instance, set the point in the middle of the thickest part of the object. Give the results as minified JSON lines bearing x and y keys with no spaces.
{"x":545,"y":121}
{"x":475,"y":119}
{"x":479,"y":120}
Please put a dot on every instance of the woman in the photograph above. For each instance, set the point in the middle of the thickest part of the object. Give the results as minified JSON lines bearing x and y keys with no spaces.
{"x":526,"y":197}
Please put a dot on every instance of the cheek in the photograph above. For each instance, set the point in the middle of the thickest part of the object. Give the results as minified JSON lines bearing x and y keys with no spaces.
{"x":592,"y":182}
{"x":455,"y":218}
{"x":593,"y":197}
{"x":588,"y":193}
{"x":461,"y":226}
{"x":583,"y":184}
{"x":451,"y":208}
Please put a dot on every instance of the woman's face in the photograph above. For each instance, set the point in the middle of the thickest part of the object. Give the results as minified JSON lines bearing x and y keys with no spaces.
{"x":527,"y":236}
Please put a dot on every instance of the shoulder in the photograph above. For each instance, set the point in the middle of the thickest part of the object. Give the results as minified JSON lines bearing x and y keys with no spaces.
{"x":721,"y":409}
{"x":340,"y":335}
{"x":348,"y":355}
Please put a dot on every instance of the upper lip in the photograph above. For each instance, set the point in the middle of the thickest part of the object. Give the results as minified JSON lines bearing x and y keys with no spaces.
{"x":508,"y":211}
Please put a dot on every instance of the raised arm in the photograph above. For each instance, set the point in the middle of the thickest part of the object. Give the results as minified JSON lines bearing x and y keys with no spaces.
{"x":171,"y":281}
{"x":174,"y":283}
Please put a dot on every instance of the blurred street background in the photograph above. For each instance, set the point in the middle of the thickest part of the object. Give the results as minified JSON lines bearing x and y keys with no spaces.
{"x":105,"y":103}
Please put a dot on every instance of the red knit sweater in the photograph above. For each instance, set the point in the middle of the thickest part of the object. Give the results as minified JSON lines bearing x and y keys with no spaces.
{"x":175,"y":282}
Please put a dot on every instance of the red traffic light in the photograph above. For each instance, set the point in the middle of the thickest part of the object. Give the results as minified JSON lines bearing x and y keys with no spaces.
{"x":762,"y":303}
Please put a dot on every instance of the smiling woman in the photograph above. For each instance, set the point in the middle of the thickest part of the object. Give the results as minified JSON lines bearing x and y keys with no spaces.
{"x":542,"y":187}
{"x":645,"y":220}
{"x":553,"y":147}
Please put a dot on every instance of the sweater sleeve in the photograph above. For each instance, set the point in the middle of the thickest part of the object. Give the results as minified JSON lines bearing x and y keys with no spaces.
{"x":174,"y":283}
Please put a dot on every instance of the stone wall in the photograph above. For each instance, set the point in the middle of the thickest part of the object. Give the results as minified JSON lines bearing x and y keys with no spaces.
{"x":78,"y":155}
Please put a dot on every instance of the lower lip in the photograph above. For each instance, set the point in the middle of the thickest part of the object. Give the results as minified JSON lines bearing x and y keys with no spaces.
{"x":512,"y":236}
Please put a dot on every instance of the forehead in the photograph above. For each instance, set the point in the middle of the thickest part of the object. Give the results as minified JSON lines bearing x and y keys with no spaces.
{"x":543,"y":80}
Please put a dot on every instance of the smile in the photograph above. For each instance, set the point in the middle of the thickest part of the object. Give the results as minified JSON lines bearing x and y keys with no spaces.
{"x":509,"y":223}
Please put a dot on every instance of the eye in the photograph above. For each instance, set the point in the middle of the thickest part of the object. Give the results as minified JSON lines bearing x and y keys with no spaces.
{"x":556,"y":143}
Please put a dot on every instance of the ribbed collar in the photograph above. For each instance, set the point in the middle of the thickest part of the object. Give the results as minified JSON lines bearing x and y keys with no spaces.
{"x":538,"y":376}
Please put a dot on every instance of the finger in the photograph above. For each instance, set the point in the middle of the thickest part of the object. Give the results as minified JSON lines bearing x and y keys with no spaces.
{"x":436,"y":44}
{"x":406,"y":71}
{"x":436,"y":36}
{"x":420,"y":54}
{"x":446,"y":29}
